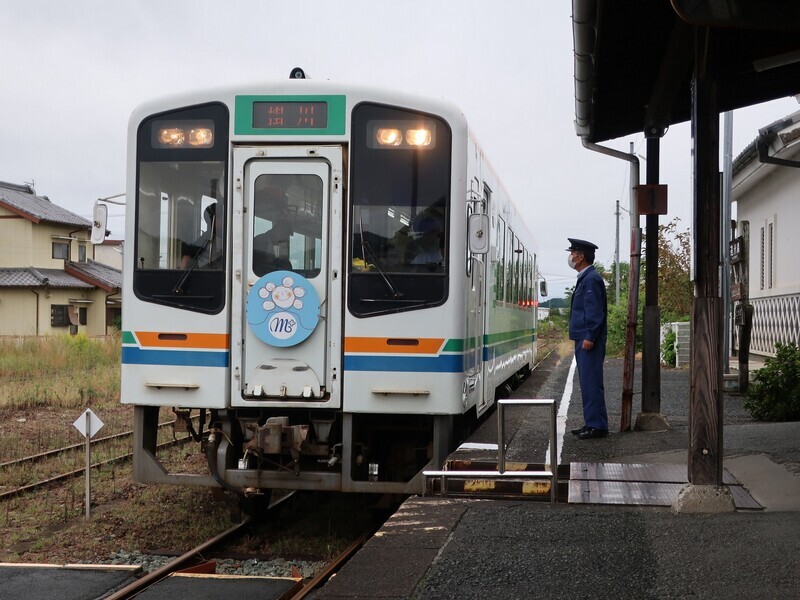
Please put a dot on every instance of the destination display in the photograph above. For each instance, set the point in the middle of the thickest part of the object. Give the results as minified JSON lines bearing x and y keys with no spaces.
{"x":290,"y":115}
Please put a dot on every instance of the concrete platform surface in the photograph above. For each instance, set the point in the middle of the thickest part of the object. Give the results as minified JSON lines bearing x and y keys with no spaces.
{"x":442,"y":548}
{"x":69,"y":582}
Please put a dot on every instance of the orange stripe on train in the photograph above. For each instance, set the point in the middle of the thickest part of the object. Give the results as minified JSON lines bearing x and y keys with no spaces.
{"x":166,"y":339}
{"x":394,"y":345}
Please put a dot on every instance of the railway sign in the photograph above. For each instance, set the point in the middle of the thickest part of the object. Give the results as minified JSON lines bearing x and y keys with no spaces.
{"x":88,"y":424}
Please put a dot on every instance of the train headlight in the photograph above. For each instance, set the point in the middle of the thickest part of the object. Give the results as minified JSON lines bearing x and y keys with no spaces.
{"x":387,"y":136}
{"x":171,"y":136}
{"x":201,"y":136}
{"x":183,"y":134}
{"x":418,"y":137}
{"x":417,"y":134}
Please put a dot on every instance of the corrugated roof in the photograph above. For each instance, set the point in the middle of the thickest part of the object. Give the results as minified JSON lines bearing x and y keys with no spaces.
{"x":23,"y":200}
{"x":108,"y":277}
{"x":39,"y":278}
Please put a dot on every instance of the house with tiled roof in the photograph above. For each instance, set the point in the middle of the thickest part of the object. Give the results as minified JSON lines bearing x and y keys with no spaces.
{"x":49,"y":281}
{"x":766,"y":186}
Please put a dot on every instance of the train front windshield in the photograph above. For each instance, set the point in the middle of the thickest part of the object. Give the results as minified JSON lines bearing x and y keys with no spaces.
{"x":400,"y":211}
{"x":180,"y":209}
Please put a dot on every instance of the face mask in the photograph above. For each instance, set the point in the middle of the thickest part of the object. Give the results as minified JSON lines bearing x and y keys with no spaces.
{"x":571,"y":262}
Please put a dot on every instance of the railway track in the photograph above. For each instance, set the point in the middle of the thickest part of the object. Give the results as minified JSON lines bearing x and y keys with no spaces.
{"x":74,"y":448}
{"x":195,"y":557}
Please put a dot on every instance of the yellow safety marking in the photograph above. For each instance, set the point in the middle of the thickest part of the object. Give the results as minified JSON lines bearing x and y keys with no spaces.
{"x":535,"y":488}
{"x":516,"y":466}
{"x":478,"y":485}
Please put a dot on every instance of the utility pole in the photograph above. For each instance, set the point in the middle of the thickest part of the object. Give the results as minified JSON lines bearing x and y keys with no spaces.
{"x":616,"y":260}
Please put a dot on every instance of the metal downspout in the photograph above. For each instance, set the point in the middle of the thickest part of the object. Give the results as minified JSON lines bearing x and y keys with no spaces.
{"x":633,"y":283}
{"x":35,"y":293}
{"x":105,"y":312}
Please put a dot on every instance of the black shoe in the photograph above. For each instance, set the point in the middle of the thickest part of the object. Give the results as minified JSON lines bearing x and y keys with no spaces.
{"x":591,"y":432}
{"x":580,"y":431}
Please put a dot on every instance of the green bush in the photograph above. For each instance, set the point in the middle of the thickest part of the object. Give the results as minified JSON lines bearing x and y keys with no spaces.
{"x":617,"y":326}
{"x":774,"y":394}
{"x":668,"y":351}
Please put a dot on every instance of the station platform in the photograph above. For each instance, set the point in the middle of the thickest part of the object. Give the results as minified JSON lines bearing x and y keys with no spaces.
{"x":631,"y":545}
{"x":66,"y":582}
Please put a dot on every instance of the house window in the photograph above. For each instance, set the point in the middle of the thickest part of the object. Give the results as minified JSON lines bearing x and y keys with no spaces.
{"x":61,"y":250}
{"x":59,"y":315}
{"x":761,"y":278}
{"x":82,"y":315}
{"x":767,"y":272}
{"x":82,"y":253}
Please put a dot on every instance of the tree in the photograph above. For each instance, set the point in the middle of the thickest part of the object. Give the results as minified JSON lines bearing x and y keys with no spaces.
{"x":624,"y":275}
{"x":675,"y":289}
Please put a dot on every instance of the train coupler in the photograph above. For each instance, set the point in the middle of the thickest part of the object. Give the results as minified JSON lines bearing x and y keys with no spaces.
{"x":276,"y":436}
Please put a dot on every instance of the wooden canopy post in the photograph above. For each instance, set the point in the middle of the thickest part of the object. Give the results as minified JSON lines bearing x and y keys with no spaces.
{"x":705,"y":400}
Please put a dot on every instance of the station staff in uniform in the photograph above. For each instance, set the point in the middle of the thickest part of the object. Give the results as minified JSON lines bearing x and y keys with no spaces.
{"x":588,"y":328}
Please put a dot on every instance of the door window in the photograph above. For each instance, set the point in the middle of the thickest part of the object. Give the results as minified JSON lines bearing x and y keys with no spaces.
{"x":287,"y":224}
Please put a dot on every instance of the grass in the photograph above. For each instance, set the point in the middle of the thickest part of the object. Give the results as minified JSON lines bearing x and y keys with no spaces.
{"x":59,"y":372}
{"x":45,"y":384}
{"x":50,"y":526}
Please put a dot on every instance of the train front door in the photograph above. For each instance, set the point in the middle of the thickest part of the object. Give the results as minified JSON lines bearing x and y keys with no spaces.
{"x":287,"y":201}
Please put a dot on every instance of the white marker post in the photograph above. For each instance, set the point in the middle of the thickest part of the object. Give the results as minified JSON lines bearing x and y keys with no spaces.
{"x":88,"y":424}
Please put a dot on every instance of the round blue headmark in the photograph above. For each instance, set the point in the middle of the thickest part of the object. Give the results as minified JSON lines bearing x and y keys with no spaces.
{"x":282,"y":308}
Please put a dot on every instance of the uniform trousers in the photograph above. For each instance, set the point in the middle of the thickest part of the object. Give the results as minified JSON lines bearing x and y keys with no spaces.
{"x":590,"y":374}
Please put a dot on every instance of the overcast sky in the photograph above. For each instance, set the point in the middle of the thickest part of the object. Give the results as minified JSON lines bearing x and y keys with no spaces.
{"x":72,"y":72}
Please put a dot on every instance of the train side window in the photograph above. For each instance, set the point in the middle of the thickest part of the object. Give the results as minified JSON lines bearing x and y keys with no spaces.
{"x":469,"y":253}
{"x":500,"y":242}
{"x":511,"y":242}
{"x":527,"y":278}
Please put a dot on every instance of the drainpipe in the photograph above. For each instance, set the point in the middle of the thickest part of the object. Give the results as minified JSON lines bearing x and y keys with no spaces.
{"x":35,"y":293}
{"x":633,"y":282}
{"x":725,"y":239}
{"x":71,"y":233}
{"x":105,"y":313}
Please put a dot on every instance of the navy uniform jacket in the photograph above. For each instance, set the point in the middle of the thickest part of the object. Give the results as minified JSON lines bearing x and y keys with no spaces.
{"x":587,"y":321}
{"x":588,"y":308}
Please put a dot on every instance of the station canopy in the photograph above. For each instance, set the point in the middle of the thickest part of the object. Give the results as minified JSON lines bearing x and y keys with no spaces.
{"x":634,"y":59}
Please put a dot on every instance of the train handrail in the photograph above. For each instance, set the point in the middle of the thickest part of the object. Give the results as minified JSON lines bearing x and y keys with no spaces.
{"x":501,"y":472}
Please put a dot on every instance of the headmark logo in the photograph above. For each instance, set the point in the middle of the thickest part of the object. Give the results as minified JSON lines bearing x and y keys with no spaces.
{"x":282,"y":308}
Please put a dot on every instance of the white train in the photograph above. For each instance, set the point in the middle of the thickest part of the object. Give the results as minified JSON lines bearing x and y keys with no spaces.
{"x":331,"y":276}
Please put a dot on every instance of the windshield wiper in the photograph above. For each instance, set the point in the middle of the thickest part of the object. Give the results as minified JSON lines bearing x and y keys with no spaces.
{"x":178,"y":289}
{"x":208,"y":245}
{"x":396,"y":294}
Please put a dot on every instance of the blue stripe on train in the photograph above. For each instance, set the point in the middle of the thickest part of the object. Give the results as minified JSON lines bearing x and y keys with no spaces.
{"x":446,"y":363}
{"x":182,"y":358}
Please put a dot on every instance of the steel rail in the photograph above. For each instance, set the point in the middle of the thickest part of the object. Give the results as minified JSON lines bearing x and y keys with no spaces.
{"x":129,"y":591}
{"x":81,"y":445}
{"x":76,"y":472}
{"x":138,"y":586}
{"x":332,"y":567}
